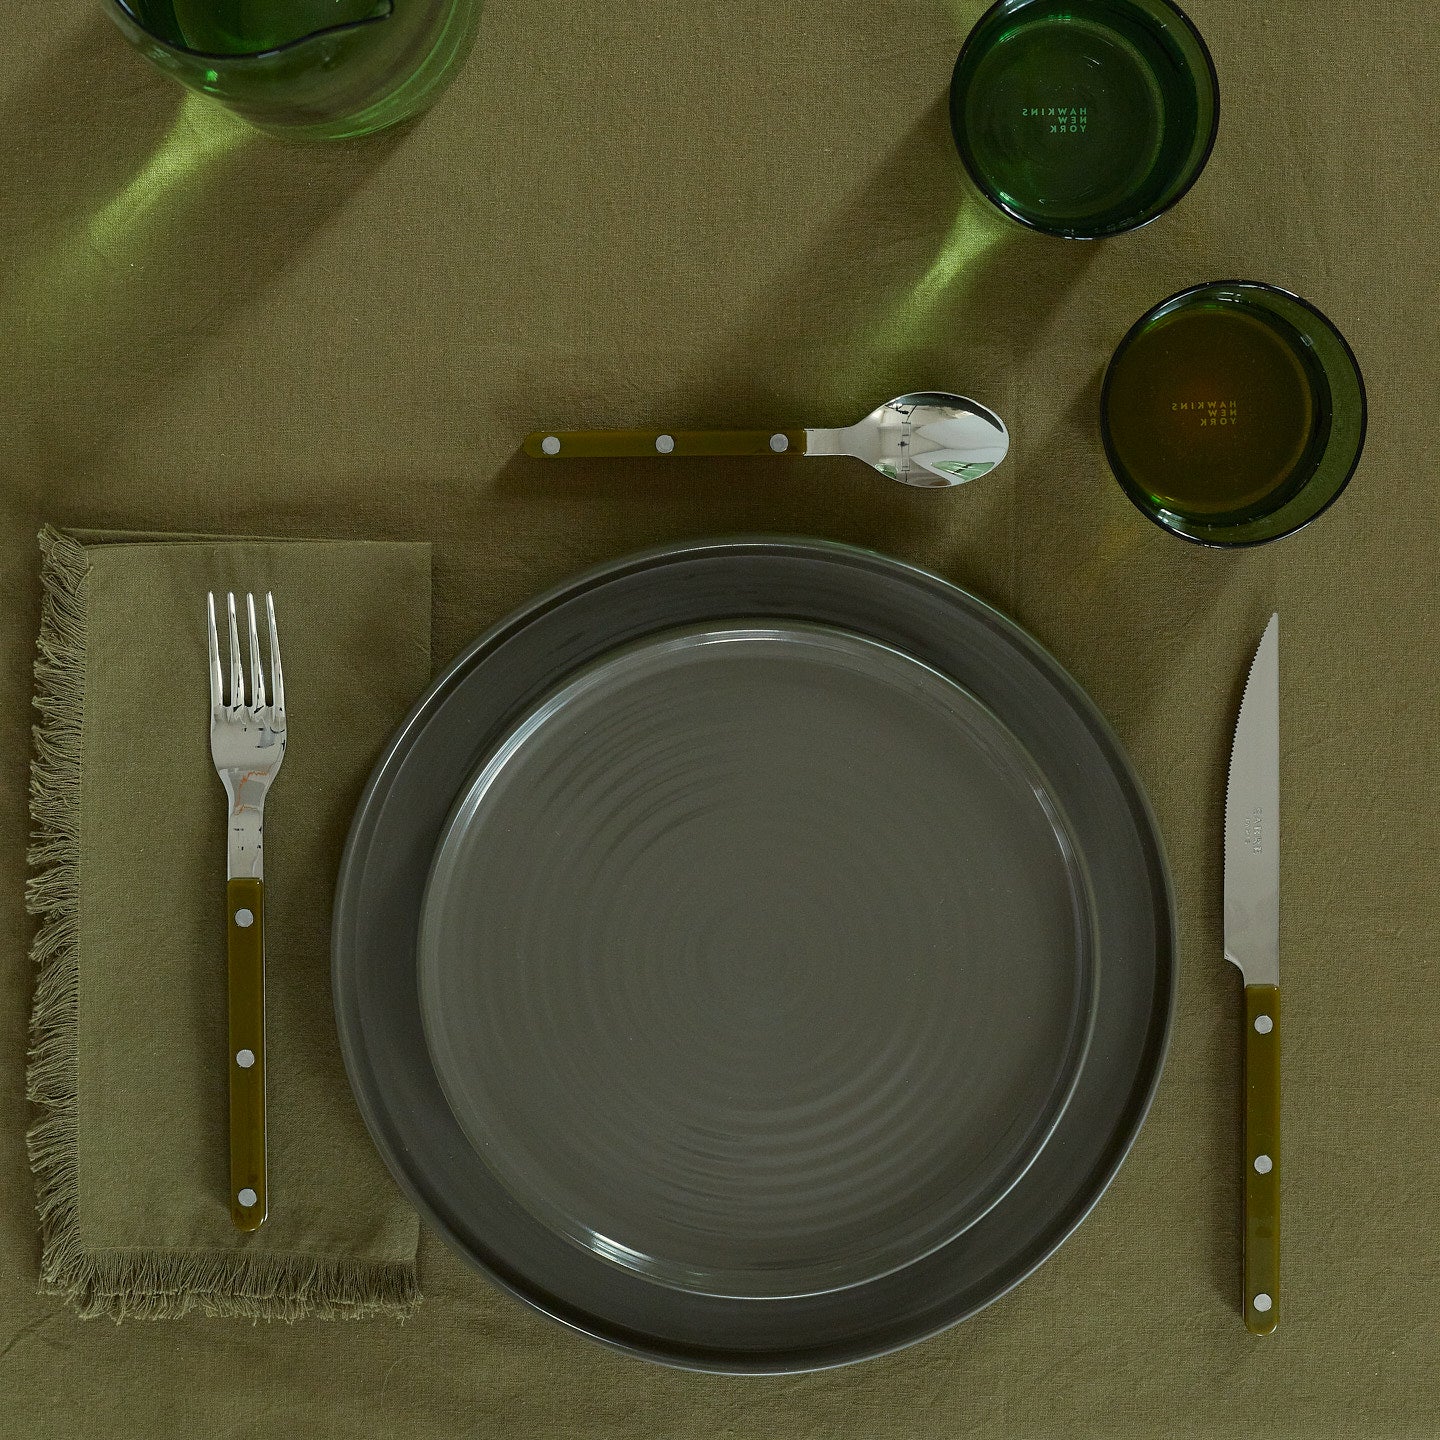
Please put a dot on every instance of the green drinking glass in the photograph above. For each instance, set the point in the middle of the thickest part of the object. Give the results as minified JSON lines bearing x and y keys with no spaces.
{"x":316,"y":69}
{"x":1233,"y":413}
{"x":1084,"y":118}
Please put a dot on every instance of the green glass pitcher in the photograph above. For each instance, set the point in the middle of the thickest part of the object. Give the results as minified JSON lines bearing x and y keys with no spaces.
{"x":320,"y":69}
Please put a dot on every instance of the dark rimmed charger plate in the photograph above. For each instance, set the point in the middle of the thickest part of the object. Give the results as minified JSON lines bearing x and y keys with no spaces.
{"x":675,"y":1315}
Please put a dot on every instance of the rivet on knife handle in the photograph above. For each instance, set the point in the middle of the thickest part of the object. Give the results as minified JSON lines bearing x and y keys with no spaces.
{"x":1262,"y":1158}
{"x":245,"y":925}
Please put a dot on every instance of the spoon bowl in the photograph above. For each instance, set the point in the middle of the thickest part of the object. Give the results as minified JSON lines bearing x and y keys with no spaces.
{"x":929,"y":438}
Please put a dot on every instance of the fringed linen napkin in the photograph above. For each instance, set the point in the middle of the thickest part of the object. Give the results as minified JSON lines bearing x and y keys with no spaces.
{"x":128,"y":1062}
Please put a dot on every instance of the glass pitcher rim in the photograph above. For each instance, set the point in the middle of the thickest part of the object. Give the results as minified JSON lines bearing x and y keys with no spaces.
{"x":126,"y":8}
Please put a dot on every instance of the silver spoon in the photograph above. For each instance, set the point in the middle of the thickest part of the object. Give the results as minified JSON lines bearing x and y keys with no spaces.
{"x":929,"y":438}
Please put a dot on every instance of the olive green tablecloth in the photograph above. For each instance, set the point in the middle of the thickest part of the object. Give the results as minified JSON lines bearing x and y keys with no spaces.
{"x":748,"y":213}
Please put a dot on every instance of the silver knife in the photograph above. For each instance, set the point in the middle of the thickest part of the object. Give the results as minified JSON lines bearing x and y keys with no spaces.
{"x":1252,"y":942}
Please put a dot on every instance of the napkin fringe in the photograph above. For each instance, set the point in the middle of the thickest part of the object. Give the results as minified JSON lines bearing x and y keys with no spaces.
{"x":53,"y":894}
{"x":164,"y":1285}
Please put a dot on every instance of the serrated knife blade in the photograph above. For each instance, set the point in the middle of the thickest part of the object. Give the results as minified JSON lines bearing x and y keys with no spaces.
{"x":1252,"y":942}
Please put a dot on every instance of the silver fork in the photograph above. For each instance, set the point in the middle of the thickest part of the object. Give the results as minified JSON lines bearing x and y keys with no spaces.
{"x":247,"y":744}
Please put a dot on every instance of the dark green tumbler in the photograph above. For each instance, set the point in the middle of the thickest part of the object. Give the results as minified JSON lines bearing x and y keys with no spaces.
{"x":1084,"y":118}
{"x":1233,"y":413}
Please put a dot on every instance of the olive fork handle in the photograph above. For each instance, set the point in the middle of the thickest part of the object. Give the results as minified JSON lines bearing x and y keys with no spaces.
{"x":245,"y":926}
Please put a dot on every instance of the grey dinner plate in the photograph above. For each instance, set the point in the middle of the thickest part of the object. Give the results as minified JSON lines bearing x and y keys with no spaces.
{"x":757,"y":959}
{"x":756,"y":954}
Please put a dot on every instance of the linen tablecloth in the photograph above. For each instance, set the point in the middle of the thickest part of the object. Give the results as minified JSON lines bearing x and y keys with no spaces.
{"x":751,"y":215}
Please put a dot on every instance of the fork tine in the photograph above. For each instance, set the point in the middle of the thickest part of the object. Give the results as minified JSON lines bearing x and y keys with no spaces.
{"x":257,"y":673}
{"x":217,"y":681}
{"x":237,"y":670}
{"x":277,"y":675}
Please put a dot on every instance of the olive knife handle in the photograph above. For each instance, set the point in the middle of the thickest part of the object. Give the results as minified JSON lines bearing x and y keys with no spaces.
{"x":560,"y":444}
{"x":1262,"y":1158}
{"x":245,"y":927}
